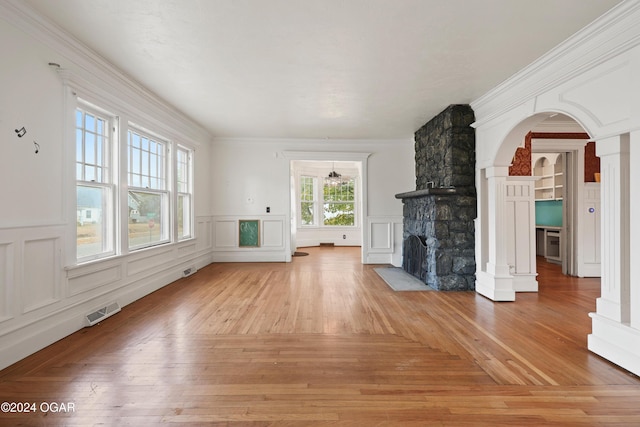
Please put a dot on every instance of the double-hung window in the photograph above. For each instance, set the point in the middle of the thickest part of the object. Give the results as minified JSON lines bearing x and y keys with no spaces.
{"x":308,"y":202}
{"x":95,"y":189}
{"x":134,"y":189}
{"x":148,"y":195}
{"x":334,"y":204}
{"x":184,"y":199}
{"x":339,"y":201}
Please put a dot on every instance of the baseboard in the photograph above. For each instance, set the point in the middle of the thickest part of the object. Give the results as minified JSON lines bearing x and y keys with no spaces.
{"x":29,"y":338}
{"x":618,"y":343}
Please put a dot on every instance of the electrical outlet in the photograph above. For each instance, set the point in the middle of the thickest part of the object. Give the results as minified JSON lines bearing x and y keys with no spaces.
{"x":268,"y":209}
{"x":344,"y":237}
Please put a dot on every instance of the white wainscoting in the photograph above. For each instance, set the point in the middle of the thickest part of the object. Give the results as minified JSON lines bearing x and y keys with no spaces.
{"x":590,"y":245}
{"x":385,"y":240}
{"x":273,"y":240}
{"x":41,"y":301}
{"x":520,"y":222}
{"x":339,"y":236}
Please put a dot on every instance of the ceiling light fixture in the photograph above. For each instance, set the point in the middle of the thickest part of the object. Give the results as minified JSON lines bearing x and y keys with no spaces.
{"x":334,"y":177}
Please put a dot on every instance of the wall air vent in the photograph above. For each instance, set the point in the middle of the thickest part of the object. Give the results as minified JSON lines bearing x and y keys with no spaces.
{"x":102,"y":313}
{"x":189,"y":271}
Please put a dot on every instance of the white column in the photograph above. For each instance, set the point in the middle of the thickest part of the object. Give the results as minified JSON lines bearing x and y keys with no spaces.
{"x":634,"y":221}
{"x":494,"y":280}
{"x":615,"y":334}
{"x":614,"y":171}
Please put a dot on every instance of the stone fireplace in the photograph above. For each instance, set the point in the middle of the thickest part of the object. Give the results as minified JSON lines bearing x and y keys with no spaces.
{"x":439,"y":237}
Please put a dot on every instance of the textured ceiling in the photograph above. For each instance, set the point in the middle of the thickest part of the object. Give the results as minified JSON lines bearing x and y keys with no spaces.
{"x":323,"y":68}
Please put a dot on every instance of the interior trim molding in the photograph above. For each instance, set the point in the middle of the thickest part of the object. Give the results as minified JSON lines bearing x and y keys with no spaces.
{"x":614,"y":33}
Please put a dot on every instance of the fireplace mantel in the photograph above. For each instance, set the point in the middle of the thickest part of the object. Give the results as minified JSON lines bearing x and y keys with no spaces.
{"x":441,"y":191}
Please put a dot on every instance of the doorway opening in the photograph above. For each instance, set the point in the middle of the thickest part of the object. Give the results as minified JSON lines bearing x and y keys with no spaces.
{"x":566,"y":195}
{"x":328,"y":194}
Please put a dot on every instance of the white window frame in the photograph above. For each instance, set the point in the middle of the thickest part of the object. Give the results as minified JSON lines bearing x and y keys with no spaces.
{"x":314,"y":179}
{"x":183,"y":191}
{"x":319,"y":202}
{"x":354,"y":202}
{"x":107,"y":184}
{"x":159,"y":188}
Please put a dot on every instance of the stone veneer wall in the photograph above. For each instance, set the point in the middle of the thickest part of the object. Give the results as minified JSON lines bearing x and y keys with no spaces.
{"x":446,"y":150}
{"x":445,"y":224}
{"x":445,"y":154}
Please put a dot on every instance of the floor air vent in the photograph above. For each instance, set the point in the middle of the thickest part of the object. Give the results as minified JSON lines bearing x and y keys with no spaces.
{"x":102,"y":313}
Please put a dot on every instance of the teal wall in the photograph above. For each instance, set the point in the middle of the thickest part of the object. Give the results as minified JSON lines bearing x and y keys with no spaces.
{"x":549,"y":212}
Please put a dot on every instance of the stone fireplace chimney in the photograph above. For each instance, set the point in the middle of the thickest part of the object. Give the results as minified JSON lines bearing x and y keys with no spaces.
{"x":439,"y":237}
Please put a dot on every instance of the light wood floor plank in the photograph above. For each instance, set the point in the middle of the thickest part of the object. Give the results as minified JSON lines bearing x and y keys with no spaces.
{"x":324,"y":341}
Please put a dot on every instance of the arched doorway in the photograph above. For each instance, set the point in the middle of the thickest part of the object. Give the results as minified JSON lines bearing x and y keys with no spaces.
{"x":593,"y":79}
{"x":559,"y":156}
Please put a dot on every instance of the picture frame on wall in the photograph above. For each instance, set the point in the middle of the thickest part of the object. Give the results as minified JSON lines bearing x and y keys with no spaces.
{"x":249,"y":233}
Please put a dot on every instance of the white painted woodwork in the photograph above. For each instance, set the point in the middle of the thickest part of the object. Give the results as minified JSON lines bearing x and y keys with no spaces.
{"x":385,"y":245}
{"x":614,"y":301}
{"x":592,"y":78}
{"x":274,"y":240}
{"x":520,"y":225}
{"x":634,"y":229}
{"x":494,"y":279}
{"x":591,"y":214}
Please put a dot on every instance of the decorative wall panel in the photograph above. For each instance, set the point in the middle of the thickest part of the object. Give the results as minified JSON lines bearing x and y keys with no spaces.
{"x":80,"y":282}
{"x":40,"y":273}
{"x":273,"y":233}
{"x":6,"y":278}
{"x":226,"y":233}
{"x":381,"y":236}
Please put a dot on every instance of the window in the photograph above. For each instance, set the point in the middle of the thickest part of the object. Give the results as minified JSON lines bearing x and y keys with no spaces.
{"x":339,"y":201}
{"x":148,"y":198}
{"x":307,"y":200}
{"x":133,"y":188}
{"x":184,"y":190}
{"x":94,"y":185}
{"x":333,"y":204}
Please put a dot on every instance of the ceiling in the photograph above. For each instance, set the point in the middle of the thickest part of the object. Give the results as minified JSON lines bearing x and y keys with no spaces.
{"x":337,"y":69}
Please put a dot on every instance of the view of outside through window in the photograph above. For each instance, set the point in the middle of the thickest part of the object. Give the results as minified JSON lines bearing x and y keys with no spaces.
{"x":339,"y":201}
{"x":147,"y":199}
{"x":154,"y":168}
{"x":183,"y":179}
{"x":94,"y":192}
{"x":307,"y":201}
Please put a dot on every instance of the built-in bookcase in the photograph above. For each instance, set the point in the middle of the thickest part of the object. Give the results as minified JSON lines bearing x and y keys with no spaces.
{"x":550,"y":168}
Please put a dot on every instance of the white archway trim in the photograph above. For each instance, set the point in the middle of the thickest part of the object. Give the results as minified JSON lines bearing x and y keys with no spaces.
{"x":611,"y":35}
{"x":593,"y":78}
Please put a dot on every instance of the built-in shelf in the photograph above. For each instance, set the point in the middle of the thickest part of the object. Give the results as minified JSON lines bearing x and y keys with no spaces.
{"x":550,"y":170}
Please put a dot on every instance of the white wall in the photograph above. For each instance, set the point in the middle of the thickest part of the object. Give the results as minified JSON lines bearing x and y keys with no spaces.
{"x":251,"y":174}
{"x":43,"y":295}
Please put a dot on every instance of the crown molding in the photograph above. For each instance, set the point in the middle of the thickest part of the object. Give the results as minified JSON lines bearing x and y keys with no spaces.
{"x":330,"y":144}
{"x":86,"y":64}
{"x":612,"y":34}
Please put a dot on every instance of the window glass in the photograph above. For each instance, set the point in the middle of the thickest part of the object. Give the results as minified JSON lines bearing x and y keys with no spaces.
{"x":184,"y":187}
{"x":94,"y":190}
{"x":307,"y":200}
{"x":148,"y":198}
{"x":339,"y":201}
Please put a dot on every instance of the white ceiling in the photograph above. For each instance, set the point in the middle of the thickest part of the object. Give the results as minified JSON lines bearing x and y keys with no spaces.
{"x":320,"y":68}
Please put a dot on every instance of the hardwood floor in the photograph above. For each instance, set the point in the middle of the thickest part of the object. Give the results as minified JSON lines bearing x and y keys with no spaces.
{"x":324,"y":341}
